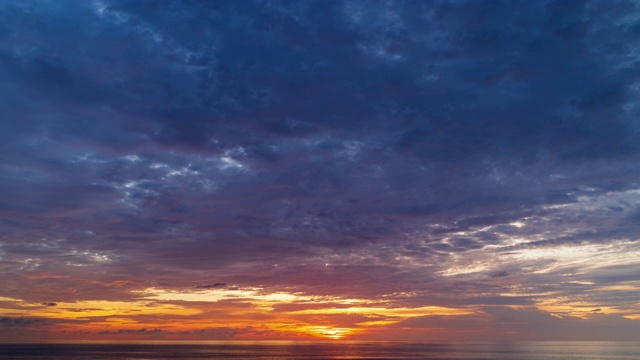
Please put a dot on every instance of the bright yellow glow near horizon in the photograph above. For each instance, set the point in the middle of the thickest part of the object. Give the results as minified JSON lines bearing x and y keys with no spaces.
{"x":199,"y":309}
{"x":308,"y":316}
{"x":327,"y":331}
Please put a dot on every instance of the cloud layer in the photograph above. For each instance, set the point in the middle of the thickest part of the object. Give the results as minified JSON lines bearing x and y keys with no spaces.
{"x":481,"y":156}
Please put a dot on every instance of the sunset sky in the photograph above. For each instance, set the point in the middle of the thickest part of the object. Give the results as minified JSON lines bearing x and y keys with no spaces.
{"x":319,"y":170}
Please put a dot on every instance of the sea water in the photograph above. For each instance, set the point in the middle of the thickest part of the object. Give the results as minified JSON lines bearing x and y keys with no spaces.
{"x":334,"y":350}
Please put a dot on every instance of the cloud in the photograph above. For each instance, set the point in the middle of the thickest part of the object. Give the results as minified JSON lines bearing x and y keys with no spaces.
{"x":211,"y":286}
{"x":500,"y":274}
{"x":27,"y":323}
{"x":130,"y":331}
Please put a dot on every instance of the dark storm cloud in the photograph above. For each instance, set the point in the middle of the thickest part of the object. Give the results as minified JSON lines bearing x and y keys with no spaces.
{"x":339,"y":143}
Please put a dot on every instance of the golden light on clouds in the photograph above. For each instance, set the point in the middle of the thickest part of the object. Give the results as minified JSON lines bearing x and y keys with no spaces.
{"x":327,"y":331}
{"x":247,"y":308}
{"x":255,"y":294}
{"x":566,"y":307}
{"x":98,"y":308}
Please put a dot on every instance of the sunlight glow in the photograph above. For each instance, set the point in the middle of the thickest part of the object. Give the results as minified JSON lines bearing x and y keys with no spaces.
{"x":327,"y":331}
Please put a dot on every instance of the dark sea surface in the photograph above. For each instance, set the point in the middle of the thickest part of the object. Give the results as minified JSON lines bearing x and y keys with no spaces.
{"x":336,"y":350}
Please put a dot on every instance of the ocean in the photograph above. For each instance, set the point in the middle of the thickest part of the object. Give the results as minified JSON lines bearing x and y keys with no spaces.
{"x":333,"y":350}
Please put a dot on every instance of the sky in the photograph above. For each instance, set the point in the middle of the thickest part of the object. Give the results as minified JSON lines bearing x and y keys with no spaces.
{"x":319,"y":170}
